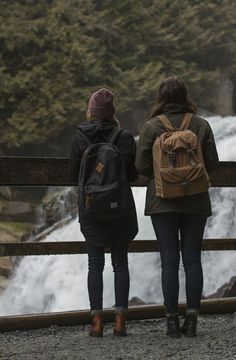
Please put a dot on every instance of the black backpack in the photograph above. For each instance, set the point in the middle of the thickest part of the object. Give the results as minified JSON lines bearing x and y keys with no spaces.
{"x":103,"y":187}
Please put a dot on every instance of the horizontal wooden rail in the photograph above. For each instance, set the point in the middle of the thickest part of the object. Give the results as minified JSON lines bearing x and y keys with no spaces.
{"x":83,"y":317}
{"x":32,"y":171}
{"x":79,"y":247}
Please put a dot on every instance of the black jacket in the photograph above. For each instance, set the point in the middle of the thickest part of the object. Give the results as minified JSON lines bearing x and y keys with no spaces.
{"x":102,"y":233}
{"x":194,"y":204}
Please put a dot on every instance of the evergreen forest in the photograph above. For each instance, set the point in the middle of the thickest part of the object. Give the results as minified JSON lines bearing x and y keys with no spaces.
{"x":54,"y":53}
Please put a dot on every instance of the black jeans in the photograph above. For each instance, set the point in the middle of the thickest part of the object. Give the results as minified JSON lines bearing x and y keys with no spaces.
{"x":96,"y":263}
{"x":191,"y":228}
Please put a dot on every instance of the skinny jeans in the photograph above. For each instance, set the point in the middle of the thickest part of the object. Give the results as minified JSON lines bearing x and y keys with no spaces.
{"x":119,"y":260}
{"x":190,"y":227}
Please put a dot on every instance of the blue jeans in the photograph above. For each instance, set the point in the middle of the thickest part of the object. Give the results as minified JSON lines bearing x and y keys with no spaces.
{"x":119,"y":258}
{"x":191,"y":228}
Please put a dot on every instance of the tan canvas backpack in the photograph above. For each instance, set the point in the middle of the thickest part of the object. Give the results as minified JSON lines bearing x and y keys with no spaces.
{"x":178,"y":164}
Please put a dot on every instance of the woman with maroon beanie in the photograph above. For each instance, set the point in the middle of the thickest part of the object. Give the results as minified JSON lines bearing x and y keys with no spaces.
{"x":100,"y":234}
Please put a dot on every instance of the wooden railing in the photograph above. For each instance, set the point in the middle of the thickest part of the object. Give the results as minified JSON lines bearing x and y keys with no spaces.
{"x":25,"y":171}
{"x":79,"y":247}
{"x":32,"y":171}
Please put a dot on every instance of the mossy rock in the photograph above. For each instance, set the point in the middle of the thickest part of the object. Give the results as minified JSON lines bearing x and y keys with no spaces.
{"x":14,"y":231}
{"x":3,"y":283}
{"x":5,"y":193}
{"x":58,"y":204}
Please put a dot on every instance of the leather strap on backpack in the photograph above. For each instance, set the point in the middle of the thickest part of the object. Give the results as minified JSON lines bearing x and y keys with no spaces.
{"x":166,"y":123}
{"x":169,"y":127}
{"x":185,"y":121}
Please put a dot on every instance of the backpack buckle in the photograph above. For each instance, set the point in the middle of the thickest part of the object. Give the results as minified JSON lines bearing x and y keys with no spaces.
{"x":191,"y":157}
{"x":184,"y":182}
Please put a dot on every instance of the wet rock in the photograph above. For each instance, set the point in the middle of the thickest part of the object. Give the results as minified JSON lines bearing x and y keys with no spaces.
{"x":56,"y":205}
{"x":5,"y":266}
{"x":17,"y":211}
{"x":5,"y":192}
{"x":11,"y":232}
{"x":226,"y":290}
{"x":14,"y":231}
{"x":3,"y":283}
{"x":26,"y":212}
{"x":136,"y":301}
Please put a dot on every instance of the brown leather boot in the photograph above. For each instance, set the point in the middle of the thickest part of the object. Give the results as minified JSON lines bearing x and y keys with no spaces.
{"x":120,"y":328}
{"x":96,"y":328}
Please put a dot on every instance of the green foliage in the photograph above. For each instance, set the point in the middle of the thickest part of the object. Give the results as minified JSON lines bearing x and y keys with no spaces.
{"x":55,"y":53}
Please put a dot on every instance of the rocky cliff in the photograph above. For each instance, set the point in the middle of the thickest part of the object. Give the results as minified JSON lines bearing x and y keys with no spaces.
{"x":25,"y":212}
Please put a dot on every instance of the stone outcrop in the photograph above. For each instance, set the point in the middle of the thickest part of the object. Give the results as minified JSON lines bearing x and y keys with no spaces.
{"x":226,"y":290}
{"x":20,"y":204}
{"x":5,"y":192}
{"x":29,"y":211}
{"x":17,"y":211}
{"x":136,"y":301}
{"x":14,"y":231}
{"x":11,"y":232}
{"x":59,"y":203}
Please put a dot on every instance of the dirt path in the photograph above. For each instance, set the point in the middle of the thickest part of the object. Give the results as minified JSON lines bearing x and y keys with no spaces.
{"x":216,"y":340}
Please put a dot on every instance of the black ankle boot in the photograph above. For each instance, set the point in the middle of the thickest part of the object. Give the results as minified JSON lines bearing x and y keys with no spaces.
{"x":173,"y":329}
{"x":189,"y":327}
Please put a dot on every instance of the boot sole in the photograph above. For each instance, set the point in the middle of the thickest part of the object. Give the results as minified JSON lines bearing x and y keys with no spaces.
{"x":119,"y":333}
{"x":188,"y":335}
{"x":175,"y":336}
{"x":95,"y":334}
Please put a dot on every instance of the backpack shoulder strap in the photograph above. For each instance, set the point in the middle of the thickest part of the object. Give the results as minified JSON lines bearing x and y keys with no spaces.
{"x":86,"y":138}
{"x":114,"y":135}
{"x":166,"y":123}
{"x":185,"y":121}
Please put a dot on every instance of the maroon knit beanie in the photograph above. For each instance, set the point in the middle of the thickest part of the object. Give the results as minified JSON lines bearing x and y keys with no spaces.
{"x":101,"y":104}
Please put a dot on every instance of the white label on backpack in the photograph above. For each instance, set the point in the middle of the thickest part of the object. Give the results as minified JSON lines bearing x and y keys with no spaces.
{"x":113,"y":205}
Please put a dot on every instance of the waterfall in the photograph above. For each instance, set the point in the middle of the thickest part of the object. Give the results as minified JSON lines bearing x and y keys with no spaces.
{"x":59,"y":283}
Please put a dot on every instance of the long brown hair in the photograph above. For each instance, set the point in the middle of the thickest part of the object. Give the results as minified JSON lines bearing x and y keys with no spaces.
{"x":173,"y":90}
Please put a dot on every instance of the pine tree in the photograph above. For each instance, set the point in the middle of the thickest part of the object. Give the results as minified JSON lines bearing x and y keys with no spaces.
{"x":55,"y":53}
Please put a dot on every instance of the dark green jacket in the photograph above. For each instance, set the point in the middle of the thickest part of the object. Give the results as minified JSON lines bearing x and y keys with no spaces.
{"x":153,"y":128}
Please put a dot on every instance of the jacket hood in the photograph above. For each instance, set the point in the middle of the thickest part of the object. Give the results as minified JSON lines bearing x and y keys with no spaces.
{"x":174,"y":108}
{"x":96,"y":129}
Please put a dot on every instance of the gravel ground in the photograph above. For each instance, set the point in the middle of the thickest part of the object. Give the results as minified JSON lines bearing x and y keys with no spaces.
{"x":146,"y":340}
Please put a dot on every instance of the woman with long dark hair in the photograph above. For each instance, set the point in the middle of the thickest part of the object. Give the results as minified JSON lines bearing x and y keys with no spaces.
{"x":100,"y":233}
{"x":185,"y":215}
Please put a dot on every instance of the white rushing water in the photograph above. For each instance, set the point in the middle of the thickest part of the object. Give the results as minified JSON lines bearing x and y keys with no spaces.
{"x":57,"y":283}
